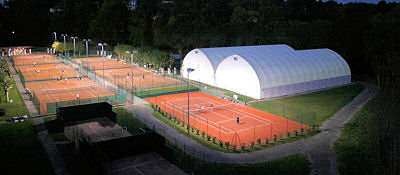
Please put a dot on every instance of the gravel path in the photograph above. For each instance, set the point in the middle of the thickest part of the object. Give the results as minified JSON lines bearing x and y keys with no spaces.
{"x":318,"y":148}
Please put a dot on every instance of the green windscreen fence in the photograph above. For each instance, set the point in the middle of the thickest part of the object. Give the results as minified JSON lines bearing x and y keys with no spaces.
{"x":35,"y":102}
{"x":146,"y":94}
{"x":211,"y":93}
{"x":21,"y":77}
{"x":113,"y":100}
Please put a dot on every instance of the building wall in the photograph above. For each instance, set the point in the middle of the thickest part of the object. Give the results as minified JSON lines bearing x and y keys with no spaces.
{"x":203,"y":72}
{"x":237,"y":75}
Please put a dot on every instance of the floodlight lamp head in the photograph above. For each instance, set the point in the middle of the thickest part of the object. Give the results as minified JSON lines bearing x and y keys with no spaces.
{"x":99,"y":44}
{"x":135,"y":52}
{"x":89,"y":40}
{"x":54,"y":32}
{"x":104,"y":44}
{"x":189,"y":70}
{"x":128,"y":51}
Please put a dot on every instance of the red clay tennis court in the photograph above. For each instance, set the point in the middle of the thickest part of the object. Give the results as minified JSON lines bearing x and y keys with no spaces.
{"x":60,"y":91}
{"x":96,"y":63}
{"x":34,"y":59}
{"x":46,"y":71}
{"x":142,"y":79}
{"x":217,"y":118}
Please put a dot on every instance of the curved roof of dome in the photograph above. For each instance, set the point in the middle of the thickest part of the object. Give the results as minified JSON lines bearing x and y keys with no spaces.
{"x":217,"y":54}
{"x":278,"y":68}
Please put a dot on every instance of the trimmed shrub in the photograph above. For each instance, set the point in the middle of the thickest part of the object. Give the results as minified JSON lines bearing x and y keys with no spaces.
{"x":208,"y":138}
{"x":266,"y":141}
{"x":221,"y":144}
{"x":243,"y":147}
{"x":214,"y":139}
{"x":197,"y":132}
{"x":288,"y":134}
{"x":259,"y":141}
{"x":227,"y":145}
{"x":203,"y":134}
{"x":296,"y":133}
{"x":252,"y":144}
{"x":275,"y":138}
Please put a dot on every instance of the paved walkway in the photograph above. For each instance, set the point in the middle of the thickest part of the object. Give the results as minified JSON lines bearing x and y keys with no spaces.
{"x":318,"y":148}
{"x":48,"y":144}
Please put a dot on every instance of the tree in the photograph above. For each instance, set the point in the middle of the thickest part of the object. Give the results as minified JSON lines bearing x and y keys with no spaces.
{"x":5,"y":78}
{"x":110,"y":24}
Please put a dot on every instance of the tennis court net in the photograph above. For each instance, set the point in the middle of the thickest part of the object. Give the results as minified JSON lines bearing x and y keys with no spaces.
{"x":63,"y":90}
{"x":204,"y":108}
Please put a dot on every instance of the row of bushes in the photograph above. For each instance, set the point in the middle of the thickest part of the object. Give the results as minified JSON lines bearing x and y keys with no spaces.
{"x":228,"y":145}
{"x":69,"y":46}
{"x":147,"y":55}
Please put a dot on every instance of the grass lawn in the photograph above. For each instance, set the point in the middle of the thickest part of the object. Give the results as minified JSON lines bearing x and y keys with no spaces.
{"x":369,"y":143}
{"x":294,"y":164}
{"x":16,"y":108}
{"x":209,"y":143}
{"x":225,"y":91}
{"x":21,"y":151}
{"x":162,"y":90}
{"x":304,"y":108}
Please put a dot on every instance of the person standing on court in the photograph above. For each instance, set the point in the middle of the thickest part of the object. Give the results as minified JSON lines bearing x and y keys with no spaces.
{"x":77,"y":96}
{"x":237,"y":120}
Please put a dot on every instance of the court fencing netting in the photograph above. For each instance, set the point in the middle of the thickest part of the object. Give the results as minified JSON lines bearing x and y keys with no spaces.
{"x":51,"y":107}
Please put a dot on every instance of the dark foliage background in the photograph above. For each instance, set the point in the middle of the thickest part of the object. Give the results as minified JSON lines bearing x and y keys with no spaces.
{"x":366,"y":35}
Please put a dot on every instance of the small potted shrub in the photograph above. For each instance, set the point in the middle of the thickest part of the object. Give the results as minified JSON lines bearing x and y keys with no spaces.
{"x":259,"y":141}
{"x":192,"y":129}
{"x":227,"y":145}
{"x":252,"y":144}
{"x":296,"y":133}
{"x":221,"y":144}
{"x":214,"y":139}
{"x":275,"y":138}
{"x":234,"y":148}
{"x":288,"y":134}
{"x":197,"y":132}
{"x":208,"y":138}
{"x":203,"y":134}
{"x":243,"y":146}
{"x":266,"y":141}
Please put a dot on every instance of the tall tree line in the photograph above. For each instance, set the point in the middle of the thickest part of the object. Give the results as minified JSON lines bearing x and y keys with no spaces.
{"x":362,"y":33}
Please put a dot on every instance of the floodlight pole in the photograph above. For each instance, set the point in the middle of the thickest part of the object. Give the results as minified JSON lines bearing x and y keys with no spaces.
{"x":133,"y":88}
{"x":65,"y":45}
{"x":102,"y":53}
{"x":73,"y":38}
{"x":87,"y":51}
{"x":55,"y":36}
{"x":188,"y":91}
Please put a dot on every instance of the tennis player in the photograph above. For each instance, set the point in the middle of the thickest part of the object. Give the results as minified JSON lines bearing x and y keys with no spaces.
{"x":237,"y":120}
